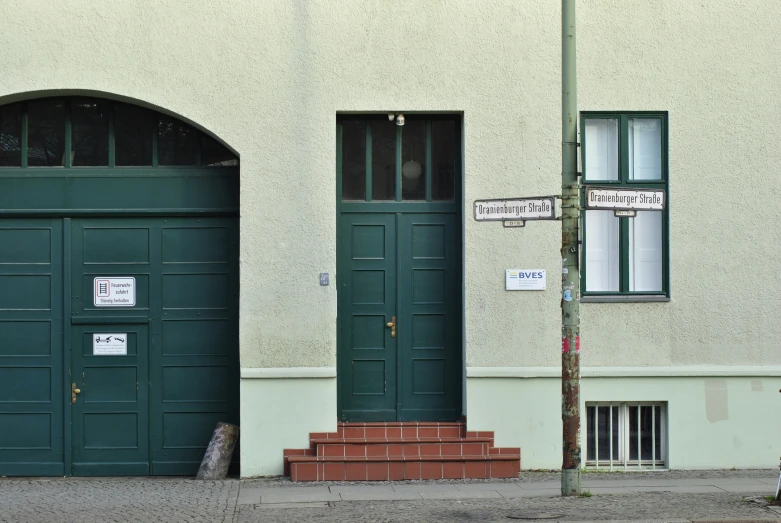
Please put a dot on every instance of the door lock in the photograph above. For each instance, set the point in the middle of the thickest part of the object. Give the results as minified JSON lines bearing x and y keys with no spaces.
{"x":74,"y":392}
{"x":392,"y":325}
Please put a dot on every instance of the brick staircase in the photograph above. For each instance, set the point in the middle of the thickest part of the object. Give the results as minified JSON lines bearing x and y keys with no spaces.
{"x":399,"y":451}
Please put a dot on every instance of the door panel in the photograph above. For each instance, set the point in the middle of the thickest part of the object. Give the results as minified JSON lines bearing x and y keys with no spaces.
{"x":187,"y":368}
{"x":110,"y":417}
{"x":403,"y":266}
{"x":31,"y":374}
{"x":367,"y":302}
{"x":195,"y":365}
{"x":429,"y":317}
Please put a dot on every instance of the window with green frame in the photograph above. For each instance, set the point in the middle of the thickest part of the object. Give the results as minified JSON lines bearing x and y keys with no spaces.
{"x":625,"y":255}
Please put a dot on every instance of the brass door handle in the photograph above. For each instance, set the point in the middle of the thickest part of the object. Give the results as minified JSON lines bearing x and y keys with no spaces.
{"x":74,"y":391}
{"x":392,"y":325}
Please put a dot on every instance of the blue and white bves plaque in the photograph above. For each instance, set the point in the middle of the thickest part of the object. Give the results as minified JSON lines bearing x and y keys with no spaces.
{"x":525,"y":280}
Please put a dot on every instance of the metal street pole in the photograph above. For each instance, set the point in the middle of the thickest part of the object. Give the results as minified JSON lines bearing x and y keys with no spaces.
{"x":570,"y":304}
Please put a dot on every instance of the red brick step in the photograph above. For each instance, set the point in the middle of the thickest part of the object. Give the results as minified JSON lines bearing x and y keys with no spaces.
{"x":399,"y":451}
{"x":319,"y":468}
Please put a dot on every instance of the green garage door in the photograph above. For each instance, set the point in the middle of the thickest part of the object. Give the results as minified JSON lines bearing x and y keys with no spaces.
{"x":31,"y":348}
{"x":118,"y":291}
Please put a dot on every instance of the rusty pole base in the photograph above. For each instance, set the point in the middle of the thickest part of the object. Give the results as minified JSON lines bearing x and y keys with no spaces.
{"x":570,"y":482}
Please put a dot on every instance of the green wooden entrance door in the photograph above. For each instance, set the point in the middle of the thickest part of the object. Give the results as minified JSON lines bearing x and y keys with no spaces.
{"x":399,"y":268}
{"x":399,"y":296}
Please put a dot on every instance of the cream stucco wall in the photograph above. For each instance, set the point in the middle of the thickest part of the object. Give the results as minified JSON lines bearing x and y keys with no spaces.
{"x":269,"y":77}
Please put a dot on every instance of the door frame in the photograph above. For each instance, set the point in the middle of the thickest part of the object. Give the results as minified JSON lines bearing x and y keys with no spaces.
{"x":450,"y":207}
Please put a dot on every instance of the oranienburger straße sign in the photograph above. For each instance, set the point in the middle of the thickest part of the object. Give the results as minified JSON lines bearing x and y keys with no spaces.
{"x":536,"y":208}
{"x":608,"y":198}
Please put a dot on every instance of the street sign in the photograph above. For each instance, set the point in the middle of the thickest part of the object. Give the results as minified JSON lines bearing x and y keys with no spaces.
{"x":612,"y":199}
{"x":516,"y":209}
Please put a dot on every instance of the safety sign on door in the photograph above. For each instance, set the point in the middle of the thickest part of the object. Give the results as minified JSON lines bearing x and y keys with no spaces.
{"x":109,"y":344}
{"x":115,"y":292}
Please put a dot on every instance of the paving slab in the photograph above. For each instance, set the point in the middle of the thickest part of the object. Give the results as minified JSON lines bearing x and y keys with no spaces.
{"x":380,"y":496}
{"x":313,"y":504}
{"x":701,"y":489}
{"x":749,"y":489}
{"x":248,"y":497}
{"x":421,"y":487}
{"x":530,"y":493}
{"x":361,"y":489}
{"x":296,"y":497}
{"x":601,"y":491}
{"x":488,"y":486}
{"x":461,"y":494}
{"x":538,"y":485}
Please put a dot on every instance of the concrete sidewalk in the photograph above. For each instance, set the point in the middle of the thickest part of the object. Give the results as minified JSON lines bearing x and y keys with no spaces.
{"x":593,"y":484}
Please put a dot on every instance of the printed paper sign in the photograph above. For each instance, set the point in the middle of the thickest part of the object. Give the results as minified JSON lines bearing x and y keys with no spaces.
{"x":109,"y":344}
{"x":525,"y":280}
{"x":115,"y":292}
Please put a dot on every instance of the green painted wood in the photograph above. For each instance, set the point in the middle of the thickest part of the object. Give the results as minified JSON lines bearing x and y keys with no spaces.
{"x":366,"y":274}
{"x":185,"y":332}
{"x":129,"y":190}
{"x":429,"y":331}
{"x":31,"y":372}
{"x":405,"y":258}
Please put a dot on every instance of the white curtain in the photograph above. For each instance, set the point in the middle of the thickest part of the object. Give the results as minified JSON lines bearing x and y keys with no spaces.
{"x":645,"y":252}
{"x":645,"y":149}
{"x":602,"y":258}
{"x":601,"y":149}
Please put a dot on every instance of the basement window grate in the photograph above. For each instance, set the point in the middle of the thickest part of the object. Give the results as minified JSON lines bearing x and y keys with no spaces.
{"x":626,"y":435}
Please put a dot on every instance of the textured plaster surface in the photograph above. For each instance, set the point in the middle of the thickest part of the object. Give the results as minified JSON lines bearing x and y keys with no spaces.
{"x":269,"y":77}
{"x":711,"y":423}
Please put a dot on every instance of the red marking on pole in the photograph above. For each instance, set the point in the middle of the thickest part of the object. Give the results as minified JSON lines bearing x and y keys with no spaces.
{"x":577,"y":344}
{"x":565,"y":345}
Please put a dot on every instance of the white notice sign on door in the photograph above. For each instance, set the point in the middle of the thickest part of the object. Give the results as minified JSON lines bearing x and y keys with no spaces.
{"x":525,"y":280}
{"x":111,"y":291}
{"x":109,"y":344}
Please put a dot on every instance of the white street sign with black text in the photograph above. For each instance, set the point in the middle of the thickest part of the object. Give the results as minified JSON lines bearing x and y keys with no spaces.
{"x":538,"y":208}
{"x":625,"y":199}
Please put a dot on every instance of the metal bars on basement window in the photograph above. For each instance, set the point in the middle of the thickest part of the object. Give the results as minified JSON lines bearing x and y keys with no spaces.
{"x":627,"y":435}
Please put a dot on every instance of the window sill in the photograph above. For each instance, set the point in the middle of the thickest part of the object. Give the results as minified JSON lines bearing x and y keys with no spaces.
{"x":626,"y":298}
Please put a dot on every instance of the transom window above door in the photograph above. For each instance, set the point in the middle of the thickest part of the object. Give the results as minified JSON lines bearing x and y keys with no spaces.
{"x":381,"y":161}
{"x":101,"y":133}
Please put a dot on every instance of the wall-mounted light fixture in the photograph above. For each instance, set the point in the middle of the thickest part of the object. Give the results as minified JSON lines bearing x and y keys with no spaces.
{"x":398,"y":117}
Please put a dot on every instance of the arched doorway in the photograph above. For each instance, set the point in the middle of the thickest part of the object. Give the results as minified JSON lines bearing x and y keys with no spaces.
{"x":118,"y":289}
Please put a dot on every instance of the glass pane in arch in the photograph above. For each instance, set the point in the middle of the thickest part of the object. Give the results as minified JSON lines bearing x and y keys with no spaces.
{"x":11,"y":135}
{"x":177,"y":142}
{"x":134,"y":130}
{"x":46,"y":133}
{"x":214,"y":154}
{"x":89,"y":143}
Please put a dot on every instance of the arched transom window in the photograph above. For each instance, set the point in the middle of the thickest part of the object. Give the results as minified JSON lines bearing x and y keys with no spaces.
{"x":94,"y":132}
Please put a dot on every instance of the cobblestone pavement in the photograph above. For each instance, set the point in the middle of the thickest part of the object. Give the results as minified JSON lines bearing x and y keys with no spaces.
{"x":66,"y":500}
